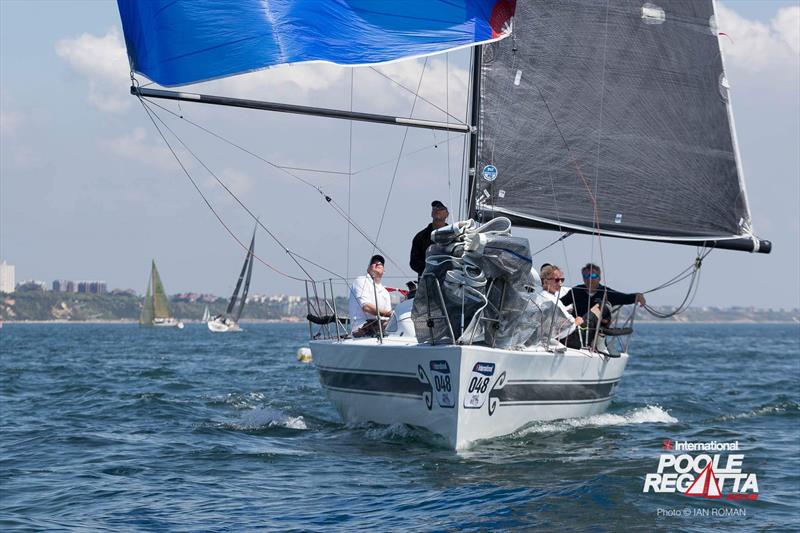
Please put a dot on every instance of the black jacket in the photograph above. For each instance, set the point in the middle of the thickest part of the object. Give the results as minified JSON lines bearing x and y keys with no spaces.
{"x":578,"y":296}
{"x":418,"y":248}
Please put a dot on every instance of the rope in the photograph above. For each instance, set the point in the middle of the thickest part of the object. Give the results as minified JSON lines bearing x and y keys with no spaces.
{"x":399,"y":156}
{"x":322,"y":193}
{"x":692,"y":272}
{"x":150,"y":115}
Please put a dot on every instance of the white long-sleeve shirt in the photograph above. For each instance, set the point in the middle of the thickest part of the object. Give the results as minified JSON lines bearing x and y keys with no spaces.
{"x":363,"y":292}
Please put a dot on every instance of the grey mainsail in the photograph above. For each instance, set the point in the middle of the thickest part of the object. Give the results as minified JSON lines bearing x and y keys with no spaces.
{"x":244,"y":275}
{"x":619,"y":105}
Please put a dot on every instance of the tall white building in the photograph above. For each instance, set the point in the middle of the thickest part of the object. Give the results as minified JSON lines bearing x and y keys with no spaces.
{"x":7,"y":281}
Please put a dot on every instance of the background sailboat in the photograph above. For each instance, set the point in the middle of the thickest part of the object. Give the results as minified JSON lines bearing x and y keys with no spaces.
{"x":229,"y":321}
{"x":155,"y":308}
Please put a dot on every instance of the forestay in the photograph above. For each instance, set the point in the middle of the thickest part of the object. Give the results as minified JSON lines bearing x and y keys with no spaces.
{"x":623,"y":101}
{"x":177,"y":42}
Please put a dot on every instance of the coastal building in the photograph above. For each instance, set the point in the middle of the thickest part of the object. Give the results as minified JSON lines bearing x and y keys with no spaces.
{"x":63,"y":285}
{"x":92,"y":287}
{"x":7,"y":281}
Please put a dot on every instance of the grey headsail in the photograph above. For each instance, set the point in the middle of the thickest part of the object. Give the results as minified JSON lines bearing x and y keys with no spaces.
{"x":612,"y":116}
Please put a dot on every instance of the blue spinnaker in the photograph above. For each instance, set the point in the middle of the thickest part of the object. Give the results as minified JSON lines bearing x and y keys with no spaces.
{"x":177,"y":42}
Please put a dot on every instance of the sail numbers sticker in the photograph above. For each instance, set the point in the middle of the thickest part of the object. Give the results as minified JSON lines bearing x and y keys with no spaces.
{"x":443,"y":383}
{"x":478,"y":387}
{"x":490,"y":172}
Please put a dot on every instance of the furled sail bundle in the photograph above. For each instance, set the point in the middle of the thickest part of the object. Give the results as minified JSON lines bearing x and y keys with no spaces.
{"x":612,"y":117}
{"x":177,"y":42}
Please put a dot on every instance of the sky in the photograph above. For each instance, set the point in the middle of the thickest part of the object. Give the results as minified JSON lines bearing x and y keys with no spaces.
{"x":88,"y":190}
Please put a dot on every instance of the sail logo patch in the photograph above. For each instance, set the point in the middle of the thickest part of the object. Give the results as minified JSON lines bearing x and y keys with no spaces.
{"x":443,"y":384}
{"x":490,"y":172}
{"x":707,"y":475}
{"x":478,"y":385}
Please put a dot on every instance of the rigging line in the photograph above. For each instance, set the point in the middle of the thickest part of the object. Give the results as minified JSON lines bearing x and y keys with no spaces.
{"x":564,"y":236}
{"x":702,"y":254}
{"x":318,"y":171}
{"x":233,"y":195}
{"x":400,"y":155}
{"x":418,"y":150}
{"x":307,"y":260}
{"x":447,"y":106}
{"x":691,"y":292}
{"x":599,"y":135}
{"x":327,"y":198}
{"x":207,"y":202}
{"x":435,"y":144}
{"x":416,"y":95}
{"x":350,"y":171}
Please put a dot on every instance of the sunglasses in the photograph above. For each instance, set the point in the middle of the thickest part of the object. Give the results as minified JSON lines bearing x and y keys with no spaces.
{"x":378,"y":263}
{"x":592,"y":275}
{"x":557,"y":280}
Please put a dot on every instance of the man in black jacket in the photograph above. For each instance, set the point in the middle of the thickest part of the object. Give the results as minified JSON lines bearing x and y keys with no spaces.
{"x":422,"y":239}
{"x":590,"y":293}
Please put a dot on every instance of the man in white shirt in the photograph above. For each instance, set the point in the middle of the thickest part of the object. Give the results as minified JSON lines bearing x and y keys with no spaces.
{"x":363,"y":305}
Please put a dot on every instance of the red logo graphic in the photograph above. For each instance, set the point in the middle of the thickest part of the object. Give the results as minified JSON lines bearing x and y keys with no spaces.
{"x":667,"y":444}
{"x":705,"y":485}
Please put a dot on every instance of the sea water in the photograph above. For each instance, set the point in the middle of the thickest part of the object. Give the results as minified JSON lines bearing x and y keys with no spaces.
{"x":117,"y":427}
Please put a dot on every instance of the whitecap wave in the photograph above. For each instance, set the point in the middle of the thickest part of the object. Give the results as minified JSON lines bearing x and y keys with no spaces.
{"x":765,"y":410}
{"x":651,"y":414}
{"x":237,"y":400}
{"x":269,"y":418}
{"x":393,"y":431}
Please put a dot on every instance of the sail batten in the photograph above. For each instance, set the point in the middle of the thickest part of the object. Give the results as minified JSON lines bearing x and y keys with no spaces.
{"x":612,"y":118}
{"x":177,"y":42}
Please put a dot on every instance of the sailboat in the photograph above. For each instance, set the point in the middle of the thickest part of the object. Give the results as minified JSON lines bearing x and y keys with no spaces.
{"x":229,"y":321}
{"x":155,"y":309}
{"x":611,"y":119}
{"x":206,"y":315}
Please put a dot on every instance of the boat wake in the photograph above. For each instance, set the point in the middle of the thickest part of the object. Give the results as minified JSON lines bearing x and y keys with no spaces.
{"x":269,"y":418}
{"x":651,"y":414}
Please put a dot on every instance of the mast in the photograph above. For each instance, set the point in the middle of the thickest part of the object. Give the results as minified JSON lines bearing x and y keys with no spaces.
{"x":475,"y":101}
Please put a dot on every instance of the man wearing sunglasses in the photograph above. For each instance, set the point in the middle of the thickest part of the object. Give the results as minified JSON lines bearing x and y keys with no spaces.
{"x":590,"y":293}
{"x":368,"y":299}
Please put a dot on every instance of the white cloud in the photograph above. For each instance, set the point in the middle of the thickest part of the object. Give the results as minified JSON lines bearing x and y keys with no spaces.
{"x":756,"y":46}
{"x":325,"y":84}
{"x":103,"y":61}
{"x":137,"y":146}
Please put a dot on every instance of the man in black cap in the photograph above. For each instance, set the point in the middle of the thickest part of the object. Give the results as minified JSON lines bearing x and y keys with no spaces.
{"x":369,"y":299}
{"x":422,"y":239}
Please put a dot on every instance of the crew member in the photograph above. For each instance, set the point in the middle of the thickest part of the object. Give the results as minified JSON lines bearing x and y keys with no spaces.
{"x":422,"y":239}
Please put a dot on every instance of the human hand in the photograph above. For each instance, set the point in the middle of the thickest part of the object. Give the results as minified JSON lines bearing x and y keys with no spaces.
{"x":640,"y":299}
{"x":579,"y":321}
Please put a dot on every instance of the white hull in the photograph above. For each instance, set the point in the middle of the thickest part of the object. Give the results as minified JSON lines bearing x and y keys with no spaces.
{"x":217,"y":326}
{"x":402,"y":382}
{"x":167,"y":323}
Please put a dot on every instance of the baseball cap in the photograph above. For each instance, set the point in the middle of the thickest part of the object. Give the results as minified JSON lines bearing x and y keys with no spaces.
{"x":436,"y":204}
{"x":377,"y":258}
